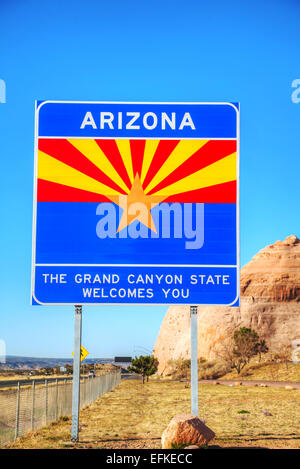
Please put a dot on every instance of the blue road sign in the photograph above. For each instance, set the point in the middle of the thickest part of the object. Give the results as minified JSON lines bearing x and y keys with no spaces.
{"x":136,"y":203}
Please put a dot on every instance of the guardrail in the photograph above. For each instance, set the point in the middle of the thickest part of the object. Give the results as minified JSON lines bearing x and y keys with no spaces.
{"x":32,"y":407}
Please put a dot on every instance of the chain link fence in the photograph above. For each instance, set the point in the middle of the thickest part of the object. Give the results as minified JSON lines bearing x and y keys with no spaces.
{"x":32,"y":407}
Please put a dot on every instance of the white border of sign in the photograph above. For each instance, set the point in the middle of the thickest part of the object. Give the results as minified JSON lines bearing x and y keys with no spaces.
{"x":36,"y":138}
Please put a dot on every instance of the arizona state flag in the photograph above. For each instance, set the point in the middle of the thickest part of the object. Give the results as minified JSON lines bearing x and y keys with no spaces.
{"x":136,"y":203}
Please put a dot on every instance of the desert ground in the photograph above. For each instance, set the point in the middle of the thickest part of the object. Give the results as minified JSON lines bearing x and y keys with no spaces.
{"x":134,"y":416}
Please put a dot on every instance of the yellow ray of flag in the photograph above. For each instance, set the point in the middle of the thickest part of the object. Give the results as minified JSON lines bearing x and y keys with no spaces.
{"x":150,"y":149}
{"x":181,"y":153}
{"x":219,"y":172}
{"x":125,"y":152}
{"x":92,"y":151}
{"x":53,"y":170}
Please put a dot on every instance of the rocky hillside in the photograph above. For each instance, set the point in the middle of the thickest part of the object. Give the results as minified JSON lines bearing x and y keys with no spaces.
{"x":270,"y":304}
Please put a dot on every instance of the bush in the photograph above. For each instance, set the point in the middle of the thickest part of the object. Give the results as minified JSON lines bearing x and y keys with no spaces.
{"x":180,"y":368}
{"x":144,"y":365}
{"x":213,"y":369}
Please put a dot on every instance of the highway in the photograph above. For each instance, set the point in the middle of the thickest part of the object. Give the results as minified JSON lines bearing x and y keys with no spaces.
{"x":28,"y":382}
{"x":11,"y":383}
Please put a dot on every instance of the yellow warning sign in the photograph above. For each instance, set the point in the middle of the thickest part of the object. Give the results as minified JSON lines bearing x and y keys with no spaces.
{"x":83,"y":353}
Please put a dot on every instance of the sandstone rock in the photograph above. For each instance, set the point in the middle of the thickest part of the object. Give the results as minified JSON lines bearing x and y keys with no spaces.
{"x":270,"y":304}
{"x":192,"y":447}
{"x":186,"y":429}
{"x":289,"y":387}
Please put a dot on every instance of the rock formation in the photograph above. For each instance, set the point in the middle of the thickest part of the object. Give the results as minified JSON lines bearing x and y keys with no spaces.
{"x":270,"y":304}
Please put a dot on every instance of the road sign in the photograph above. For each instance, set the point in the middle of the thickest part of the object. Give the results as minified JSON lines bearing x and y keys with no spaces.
{"x":122,"y":360}
{"x":136,"y":203}
{"x":83,"y":353}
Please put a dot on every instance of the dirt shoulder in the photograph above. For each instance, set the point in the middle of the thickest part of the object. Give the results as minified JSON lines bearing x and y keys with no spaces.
{"x":262,"y":383}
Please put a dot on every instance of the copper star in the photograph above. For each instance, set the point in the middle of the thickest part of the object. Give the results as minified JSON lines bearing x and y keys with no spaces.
{"x":137,"y":206}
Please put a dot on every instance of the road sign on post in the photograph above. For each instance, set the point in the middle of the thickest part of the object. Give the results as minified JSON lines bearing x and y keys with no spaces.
{"x":136,"y":203}
{"x":152,"y":190}
{"x":83,"y":353}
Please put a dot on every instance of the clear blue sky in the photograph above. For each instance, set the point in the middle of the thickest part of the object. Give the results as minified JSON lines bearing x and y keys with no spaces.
{"x":143,"y":51}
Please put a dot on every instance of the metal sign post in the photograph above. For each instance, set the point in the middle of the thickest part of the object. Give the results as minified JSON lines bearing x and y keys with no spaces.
{"x":194,"y":360}
{"x":76,"y":373}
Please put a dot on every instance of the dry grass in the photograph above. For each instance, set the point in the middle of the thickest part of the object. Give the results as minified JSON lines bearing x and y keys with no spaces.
{"x":134,"y":416}
{"x":38,"y":384}
{"x":268,"y":372}
{"x":212,"y":369}
{"x":26,"y":377}
{"x":17,"y":376}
